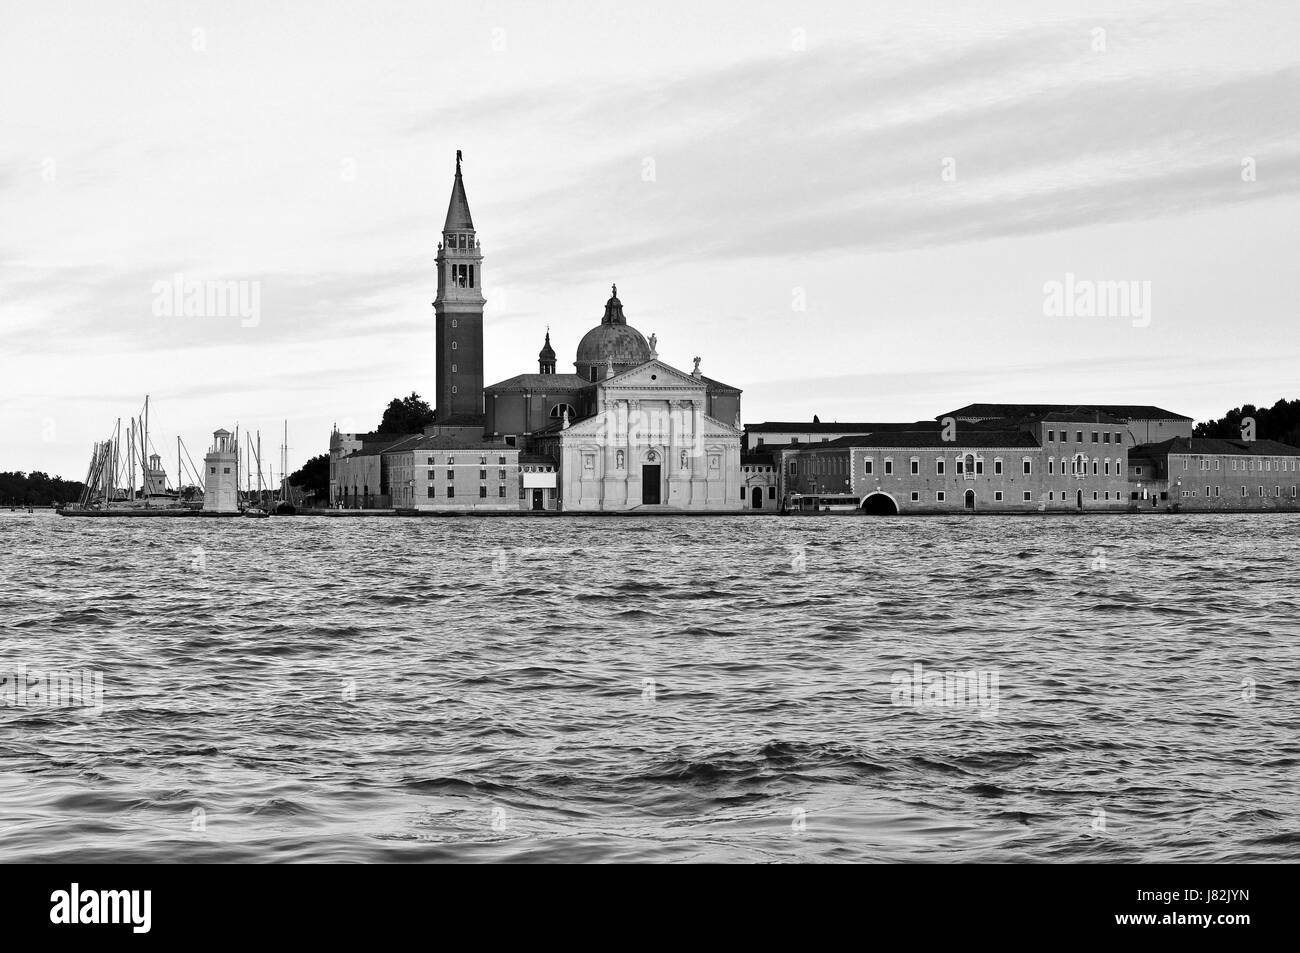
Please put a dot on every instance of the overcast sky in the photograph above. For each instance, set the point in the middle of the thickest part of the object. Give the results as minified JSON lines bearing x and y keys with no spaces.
{"x":846,"y":209}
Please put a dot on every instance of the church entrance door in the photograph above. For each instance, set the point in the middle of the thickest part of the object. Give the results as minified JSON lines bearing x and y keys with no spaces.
{"x":538,"y":499}
{"x":650,"y":483}
{"x":756,"y":497}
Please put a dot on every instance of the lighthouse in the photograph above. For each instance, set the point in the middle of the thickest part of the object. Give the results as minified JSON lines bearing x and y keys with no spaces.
{"x":221,"y":481}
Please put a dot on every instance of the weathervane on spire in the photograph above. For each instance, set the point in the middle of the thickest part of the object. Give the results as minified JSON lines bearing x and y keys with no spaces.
{"x":458,"y":162}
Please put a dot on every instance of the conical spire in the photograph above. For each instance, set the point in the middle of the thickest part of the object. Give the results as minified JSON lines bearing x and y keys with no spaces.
{"x":547,"y":352}
{"x":458,"y":217}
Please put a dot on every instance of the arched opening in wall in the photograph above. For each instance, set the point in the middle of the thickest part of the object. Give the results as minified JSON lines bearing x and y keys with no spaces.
{"x":756,"y":498}
{"x":970,"y":500}
{"x":559,"y":409}
{"x":1078,"y":500}
{"x":878,"y":504}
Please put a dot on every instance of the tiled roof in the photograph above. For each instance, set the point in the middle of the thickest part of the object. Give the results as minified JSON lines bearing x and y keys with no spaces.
{"x":837,"y":427}
{"x":718,"y":386}
{"x":386,"y":443}
{"x":1214,"y":445}
{"x":536,"y":460}
{"x":968,"y":439}
{"x":550,"y":383}
{"x":1122,"y":411}
{"x":447,"y":442}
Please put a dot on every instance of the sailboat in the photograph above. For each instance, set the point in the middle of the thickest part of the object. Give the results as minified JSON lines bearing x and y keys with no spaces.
{"x":257,"y":510}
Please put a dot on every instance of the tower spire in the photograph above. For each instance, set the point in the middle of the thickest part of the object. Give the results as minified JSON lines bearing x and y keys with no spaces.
{"x":458,"y":311}
{"x":458,"y":217}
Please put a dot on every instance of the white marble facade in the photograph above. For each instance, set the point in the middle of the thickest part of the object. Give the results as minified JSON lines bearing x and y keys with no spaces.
{"x":651,"y":446}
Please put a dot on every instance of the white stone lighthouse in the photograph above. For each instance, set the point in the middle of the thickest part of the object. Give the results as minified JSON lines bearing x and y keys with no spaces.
{"x":221,"y":481}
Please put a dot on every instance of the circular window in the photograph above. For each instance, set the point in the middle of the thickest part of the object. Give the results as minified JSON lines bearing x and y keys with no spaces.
{"x":654,"y":377}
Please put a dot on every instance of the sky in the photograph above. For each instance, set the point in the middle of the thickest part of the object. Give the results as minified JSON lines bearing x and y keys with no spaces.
{"x":854,"y":210}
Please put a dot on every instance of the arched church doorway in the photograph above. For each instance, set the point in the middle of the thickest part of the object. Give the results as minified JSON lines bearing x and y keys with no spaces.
{"x":970,"y":500}
{"x":879,"y":504}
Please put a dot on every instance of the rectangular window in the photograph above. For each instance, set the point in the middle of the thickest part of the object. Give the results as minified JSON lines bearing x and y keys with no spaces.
{"x":889,"y":467}
{"x":939,"y":496}
{"x":997,"y":496}
{"x":1243,"y":491}
{"x":866,"y":466}
{"x":1078,"y":436}
{"x":501,"y":474}
{"x":960,"y":466}
{"x":1094,"y":436}
{"x":451,"y":491}
{"x":771,"y":493}
{"x":1051,"y":464}
{"x":1105,"y":437}
{"x":431,"y":489}
{"x":979,"y":466}
{"x":1216,"y":491}
{"x":1051,"y":436}
{"x":916,"y":466}
{"x":482,"y":474}
{"x":482,"y":492}
{"x":501,"y":490}
{"x":1029,"y":497}
{"x":938,"y":466}
{"x":451,"y":461}
{"x":1028,"y":467}
{"x":916,"y":497}
{"x":501,"y":461}
{"x":451,"y":474}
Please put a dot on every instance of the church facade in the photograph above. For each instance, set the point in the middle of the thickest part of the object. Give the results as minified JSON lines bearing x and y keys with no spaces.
{"x":623,"y":431}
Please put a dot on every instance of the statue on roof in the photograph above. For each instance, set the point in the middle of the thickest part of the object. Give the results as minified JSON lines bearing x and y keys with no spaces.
{"x":654,"y":339}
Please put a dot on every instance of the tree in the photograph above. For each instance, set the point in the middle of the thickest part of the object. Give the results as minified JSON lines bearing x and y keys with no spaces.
{"x":407,"y":415}
{"x":314,"y":477}
{"x":37,"y":489}
{"x":1281,"y":422}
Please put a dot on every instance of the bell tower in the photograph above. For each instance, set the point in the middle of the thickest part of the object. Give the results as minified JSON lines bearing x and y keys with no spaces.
{"x":458,"y":311}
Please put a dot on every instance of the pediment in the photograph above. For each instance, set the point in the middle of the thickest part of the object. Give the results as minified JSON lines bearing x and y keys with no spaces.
{"x":653,"y":375}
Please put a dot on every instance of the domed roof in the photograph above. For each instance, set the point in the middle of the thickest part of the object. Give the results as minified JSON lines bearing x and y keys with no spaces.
{"x":613,"y":340}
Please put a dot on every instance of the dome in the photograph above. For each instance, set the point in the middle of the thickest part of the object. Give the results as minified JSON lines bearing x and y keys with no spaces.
{"x":613,"y":340}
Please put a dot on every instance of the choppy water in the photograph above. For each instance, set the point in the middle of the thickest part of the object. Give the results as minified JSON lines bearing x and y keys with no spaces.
{"x":653,"y":689}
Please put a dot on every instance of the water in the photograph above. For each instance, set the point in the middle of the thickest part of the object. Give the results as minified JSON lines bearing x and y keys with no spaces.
{"x":620,"y":689}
